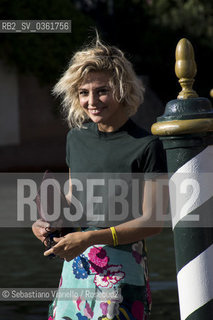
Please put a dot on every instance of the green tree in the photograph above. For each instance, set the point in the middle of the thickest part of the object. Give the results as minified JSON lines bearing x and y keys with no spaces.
{"x":43,"y":54}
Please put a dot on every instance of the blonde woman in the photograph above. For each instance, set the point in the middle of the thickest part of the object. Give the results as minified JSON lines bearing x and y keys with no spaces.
{"x":100,"y":92}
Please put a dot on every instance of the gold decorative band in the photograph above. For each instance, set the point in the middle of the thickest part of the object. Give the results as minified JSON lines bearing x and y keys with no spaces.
{"x":175,"y":127}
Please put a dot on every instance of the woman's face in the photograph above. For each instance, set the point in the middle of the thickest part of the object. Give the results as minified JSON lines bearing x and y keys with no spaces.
{"x":95,"y":96}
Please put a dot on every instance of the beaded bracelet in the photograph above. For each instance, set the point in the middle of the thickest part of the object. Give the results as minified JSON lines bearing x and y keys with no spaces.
{"x":114,"y":236}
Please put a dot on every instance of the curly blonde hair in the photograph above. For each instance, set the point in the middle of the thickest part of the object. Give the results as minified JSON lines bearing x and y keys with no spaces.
{"x":127,"y":89}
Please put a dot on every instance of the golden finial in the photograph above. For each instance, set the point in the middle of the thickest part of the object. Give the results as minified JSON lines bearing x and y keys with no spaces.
{"x":185,"y":68}
{"x":211,"y":93}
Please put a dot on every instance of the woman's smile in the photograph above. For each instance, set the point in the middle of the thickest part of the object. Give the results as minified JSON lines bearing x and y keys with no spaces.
{"x":96,"y":111}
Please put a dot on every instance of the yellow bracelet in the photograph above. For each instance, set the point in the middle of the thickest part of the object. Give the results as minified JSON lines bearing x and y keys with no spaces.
{"x":114,"y":236}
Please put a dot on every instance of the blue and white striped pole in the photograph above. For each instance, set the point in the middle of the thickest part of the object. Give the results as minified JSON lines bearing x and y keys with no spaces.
{"x":186,"y":129}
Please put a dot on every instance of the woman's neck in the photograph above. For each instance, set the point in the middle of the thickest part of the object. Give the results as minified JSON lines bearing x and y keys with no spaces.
{"x":118,"y":123}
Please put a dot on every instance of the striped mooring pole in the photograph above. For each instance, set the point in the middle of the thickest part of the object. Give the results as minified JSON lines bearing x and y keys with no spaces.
{"x":186,"y":129}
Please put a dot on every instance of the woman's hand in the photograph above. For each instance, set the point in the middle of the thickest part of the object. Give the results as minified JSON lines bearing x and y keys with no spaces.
{"x":70,"y":246}
{"x":41,"y":229}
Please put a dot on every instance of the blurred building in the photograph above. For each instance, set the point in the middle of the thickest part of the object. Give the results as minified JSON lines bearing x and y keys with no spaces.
{"x":32,"y":136}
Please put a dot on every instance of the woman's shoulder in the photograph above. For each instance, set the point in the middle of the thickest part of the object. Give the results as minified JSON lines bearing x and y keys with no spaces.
{"x":87,"y":127}
{"x":140,"y":134}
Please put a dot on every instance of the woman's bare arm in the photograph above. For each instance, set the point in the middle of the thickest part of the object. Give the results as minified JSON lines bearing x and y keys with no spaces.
{"x":41,"y":228}
{"x":74,"y":244}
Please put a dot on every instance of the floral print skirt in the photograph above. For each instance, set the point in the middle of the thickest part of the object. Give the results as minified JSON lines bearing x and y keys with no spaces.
{"x":104,"y":282}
